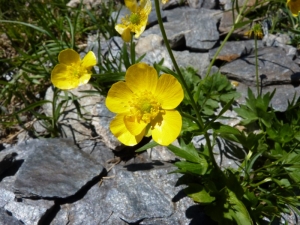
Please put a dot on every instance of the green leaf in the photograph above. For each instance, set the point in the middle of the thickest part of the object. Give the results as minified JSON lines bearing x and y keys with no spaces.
{"x":238,"y":211}
{"x":33,"y":105}
{"x":151,"y":144}
{"x":187,"y":152}
{"x":195,"y":168}
{"x":198,"y":193}
{"x":246,"y":114}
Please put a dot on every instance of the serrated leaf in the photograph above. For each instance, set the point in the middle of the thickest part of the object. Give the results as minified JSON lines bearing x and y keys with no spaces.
{"x":194,"y":168}
{"x":198,"y":193}
{"x":187,"y":152}
{"x":238,"y":211}
{"x":151,"y":144}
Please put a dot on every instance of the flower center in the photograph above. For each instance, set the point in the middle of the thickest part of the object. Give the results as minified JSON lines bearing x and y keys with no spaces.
{"x":144,"y":107}
{"x":134,"y":18}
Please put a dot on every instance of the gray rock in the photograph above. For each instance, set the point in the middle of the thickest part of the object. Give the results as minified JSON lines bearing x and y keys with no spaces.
{"x":58,"y":169}
{"x":174,"y":31}
{"x":19,"y":152}
{"x":275,"y":40}
{"x":199,"y":61}
{"x":283,"y":94}
{"x":177,"y":14}
{"x":97,"y":150}
{"x":227,"y":23}
{"x":6,"y":160}
{"x":101,"y":123}
{"x":29,"y":211}
{"x":202,"y":32}
{"x":71,"y":123}
{"x":6,"y":219}
{"x":152,"y":18}
{"x":280,"y":40}
{"x":87,"y":3}
{"x":5,"y":197}
{"x":197,"y":4}
{"x":148,"y":43}
{"x":235,"y":49}
{"x":151,"y":45}
{"x":171,"y":4}
{"x":273,"y":66}
{"x":143,"y":193}
{"x":195,"y":29}
{"x":161,"y":153}
{"x":225,"y":157}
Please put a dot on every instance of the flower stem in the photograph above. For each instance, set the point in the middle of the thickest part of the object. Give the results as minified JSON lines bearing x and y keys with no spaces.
{"x":225,"y":39}
{"x":132,"y":50}
{"x":182,"y":81}
{"x":256,"y":64}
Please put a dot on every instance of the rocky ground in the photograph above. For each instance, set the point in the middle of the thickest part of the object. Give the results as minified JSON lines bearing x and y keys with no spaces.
{"x":87,"y":177}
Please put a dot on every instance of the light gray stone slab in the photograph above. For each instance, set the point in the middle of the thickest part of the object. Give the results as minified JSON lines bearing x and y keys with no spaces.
{"x":274,"y":67}
{"x":58,"y":169}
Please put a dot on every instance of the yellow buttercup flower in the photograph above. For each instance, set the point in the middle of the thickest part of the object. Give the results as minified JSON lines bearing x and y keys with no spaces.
{"x":294,"y":6}
{"x":256,"y":30}
{"x":145,"y":105}
{"x":71,"y":71}
{"x":135,"y":22}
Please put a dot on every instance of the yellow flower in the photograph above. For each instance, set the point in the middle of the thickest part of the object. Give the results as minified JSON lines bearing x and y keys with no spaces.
{"x":294,"y":6}
{"x":135,"y":22}
{"x":164,"y":1}
{"x":71,"y":71}
{"x":256,"y":30}
{"x":145,"y":105}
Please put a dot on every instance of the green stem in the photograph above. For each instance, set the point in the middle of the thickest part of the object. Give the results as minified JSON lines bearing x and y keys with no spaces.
{"x":225,"y":40}
{"x":182,"y":81}
{"x":54,"y":119}
{"x":256,"y":64}
{"x":132,"y":50}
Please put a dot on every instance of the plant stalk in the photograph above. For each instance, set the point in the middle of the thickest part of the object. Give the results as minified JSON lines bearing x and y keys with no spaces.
{"x":182,"y":81}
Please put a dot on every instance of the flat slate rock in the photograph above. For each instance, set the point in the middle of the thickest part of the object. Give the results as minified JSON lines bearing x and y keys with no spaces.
{"x":142,"y":193}
{"x":57,"y":168}
{"x":6,"y":160}
{"x":29,"y":211}
{"x":6,"y":219}
{"x":235,"y":49}
{"x":274,"y":67}
{"x":279,"y":102}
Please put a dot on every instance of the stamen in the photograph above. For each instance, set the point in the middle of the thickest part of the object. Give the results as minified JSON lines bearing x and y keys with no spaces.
{"x":144,"y":107}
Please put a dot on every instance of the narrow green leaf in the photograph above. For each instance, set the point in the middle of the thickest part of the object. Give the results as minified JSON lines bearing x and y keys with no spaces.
{"x":198,"y":194}
{"x":151,"y":144}
{"x":195,"y":168}
{"x":187,"y":152}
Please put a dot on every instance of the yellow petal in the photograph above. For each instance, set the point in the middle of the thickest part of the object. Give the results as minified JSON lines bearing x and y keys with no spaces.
{"x":120,"y":131}
{"x":69,"y":57}
{"x":140,"y":77}
{"x":140,"y":29}
{"x":62,"y":78}
{"x":146,"y":6}
{"x":118,"y":97}
{"x":167,"y":127}
{"x":294,"y":6}
{"x":133,"y":126}
{"x":124,"y":31}
{"x":169,"y":91}
{"x":89,"y":60}
{"x":131,"y":5}
{"x":84,"y":79}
